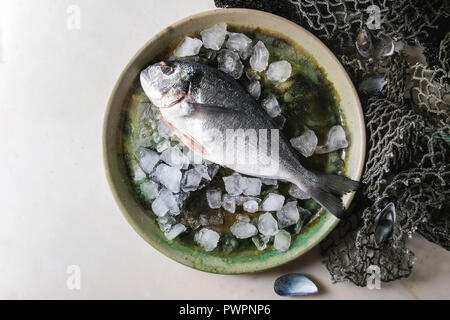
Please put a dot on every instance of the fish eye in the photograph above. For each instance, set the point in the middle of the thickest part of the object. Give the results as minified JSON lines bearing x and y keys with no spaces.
{"x":167,"y":70}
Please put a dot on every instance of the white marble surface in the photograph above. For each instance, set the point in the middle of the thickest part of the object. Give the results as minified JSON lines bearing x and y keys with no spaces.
{"x":56,"y":207}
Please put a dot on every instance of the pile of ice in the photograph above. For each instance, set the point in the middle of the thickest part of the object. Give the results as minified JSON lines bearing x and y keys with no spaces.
{"x":235,"y":50}
{"x":166,"y":179}
{"x":306,"y":143}
{"x":336,"y":139}
{"x":167,"y":173}
{"x":275,"y":214}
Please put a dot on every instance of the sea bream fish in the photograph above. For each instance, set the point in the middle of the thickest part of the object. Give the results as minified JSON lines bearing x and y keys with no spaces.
{"x":200,"y":103}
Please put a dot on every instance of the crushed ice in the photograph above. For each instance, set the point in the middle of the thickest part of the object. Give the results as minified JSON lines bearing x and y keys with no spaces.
{"x":166,"y":174}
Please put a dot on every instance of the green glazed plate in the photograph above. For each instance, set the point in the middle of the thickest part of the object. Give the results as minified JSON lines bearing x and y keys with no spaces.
{"x":141,"y":219}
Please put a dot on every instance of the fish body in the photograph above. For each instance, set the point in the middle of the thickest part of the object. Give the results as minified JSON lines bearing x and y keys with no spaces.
{"x":213,"y":115}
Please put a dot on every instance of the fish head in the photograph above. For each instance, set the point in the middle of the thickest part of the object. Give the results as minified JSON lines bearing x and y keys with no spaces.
{"x":166,"y":83}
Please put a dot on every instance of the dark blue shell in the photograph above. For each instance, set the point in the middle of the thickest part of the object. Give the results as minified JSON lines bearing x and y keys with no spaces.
{"x":364,"y":43}
{"x":294,"y":284}
{"x":384,"y":224}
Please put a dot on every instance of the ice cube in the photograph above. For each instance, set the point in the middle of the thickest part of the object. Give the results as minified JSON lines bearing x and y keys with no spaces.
{"x":232,"y":184}
{"x":137,"y":172}
{"x":267,"y":225}
{"x":191,"y":180}
{"x":279,"y":71}
{"x":297,"y":193}
{"x":207,"y":239}
{"x":203,"y":171}
{"x":204,"y":220}
{"x":271,"y":106}
{"x":229,"y":203}
{"x":181,"y":197}
{"x":240,"y":43}
{"x":156,"y":137}
{"x":159,"y":207}
{"x":269,"y":182}
{"x":273,"y":202}
{"x":192,"y":157}
{"x":145,"y":137}
{"x":251,"y":206}
{"x":189,"y":47}
{"x":208,"y":172}
{"x":214,"y":220}
{"x":250,"y":186}
{"x":336,"y":139}
{"x":148,"y":159}
{"x":163,"y":145}
{"x":304,"y":217}
{"x":288,"y":215}
{"x":260,"y":57}
{"x":150,"y":122}
{"x":168,"y":176}
{"x":174,"y":157}
{"x":243,"y":230}
{"x":229,"y":62}
{"x":166,"y":222}
{"x":214,"y":198}
{"x":242,"y":218}
{"x":306,"y":143}
{"x":212,"y":170}
{"x":254,"y":88}
{"x":170,"y":201}
{"x":164,"y":130}
{"x":229,"y":243}
{"x":175,"y":231}
{"x":154,"y":125}
{"x":282,"y":240}
{"x":214,"y":37}
{"x":149,"y":189}
{"x":241,"y":199}
{"x":261,"y":241}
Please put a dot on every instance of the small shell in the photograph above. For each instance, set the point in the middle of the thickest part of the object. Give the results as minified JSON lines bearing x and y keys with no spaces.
{"x":384,"y":224}
{"x":373,"y":85}
{"x":364,"y":43}
{"x":294,"y":284}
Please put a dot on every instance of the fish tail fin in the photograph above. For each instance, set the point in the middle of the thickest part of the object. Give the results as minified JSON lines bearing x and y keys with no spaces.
{"x":329,"y":189}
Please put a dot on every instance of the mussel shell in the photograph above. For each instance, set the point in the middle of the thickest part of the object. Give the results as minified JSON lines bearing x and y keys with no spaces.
{"x":384,"y":224}
{"x":373,"y":85}
{"x":294,"y":284}
{"x":364,"y":43}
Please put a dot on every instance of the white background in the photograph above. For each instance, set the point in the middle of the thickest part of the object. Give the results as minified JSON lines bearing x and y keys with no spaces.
{"x":56,"y":208}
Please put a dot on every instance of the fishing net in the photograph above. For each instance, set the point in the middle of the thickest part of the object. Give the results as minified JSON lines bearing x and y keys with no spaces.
{"x":408,"y":125}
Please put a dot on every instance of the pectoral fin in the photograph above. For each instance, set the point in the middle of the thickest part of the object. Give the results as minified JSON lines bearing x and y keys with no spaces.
{"x":192,"y":109}
{"x":187,"y":140}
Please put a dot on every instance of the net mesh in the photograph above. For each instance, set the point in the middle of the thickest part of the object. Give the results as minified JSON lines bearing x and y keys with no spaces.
{"x":408,"y":127}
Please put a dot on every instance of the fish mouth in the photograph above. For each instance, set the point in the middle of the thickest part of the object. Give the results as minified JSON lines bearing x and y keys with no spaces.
{"x":157,"y":102}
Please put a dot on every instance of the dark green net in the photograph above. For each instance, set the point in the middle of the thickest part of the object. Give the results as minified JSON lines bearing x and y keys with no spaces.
{"x":408,"y":127}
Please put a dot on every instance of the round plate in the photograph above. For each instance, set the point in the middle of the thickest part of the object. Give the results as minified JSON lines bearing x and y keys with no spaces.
{"x":141,"y":219}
